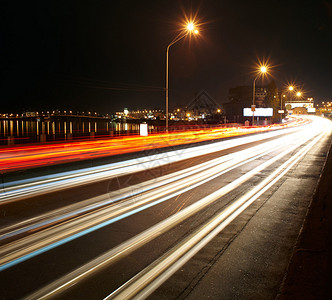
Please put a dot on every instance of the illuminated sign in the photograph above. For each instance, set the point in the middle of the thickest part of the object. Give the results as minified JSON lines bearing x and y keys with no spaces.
{"x":299,"y":104}
{"x":259,"y":112}
{"x":143,"y":129}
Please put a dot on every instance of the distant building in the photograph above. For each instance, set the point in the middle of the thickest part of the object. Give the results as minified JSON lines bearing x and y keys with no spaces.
{"x":179,"y":113}
{"x":241,"y":97}
{"x":260,"y":96}
{"x":30,"y":114}
{"x":299,"y":111}
{"x":150,"y":114}
{"x":240,"y":94}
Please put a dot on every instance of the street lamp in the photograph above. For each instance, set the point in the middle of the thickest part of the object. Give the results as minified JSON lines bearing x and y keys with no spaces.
{"x":282,"y":95}
{"x":262,"y":70}
{"x":190,"y":28}
{"x":290,"y":89}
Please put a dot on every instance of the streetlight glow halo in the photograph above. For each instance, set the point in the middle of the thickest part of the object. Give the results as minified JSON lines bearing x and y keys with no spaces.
{"x":263,"y":69}
{"x":190,"y":26}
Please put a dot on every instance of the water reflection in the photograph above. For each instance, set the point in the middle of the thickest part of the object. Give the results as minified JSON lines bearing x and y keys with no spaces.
{"x":11,"y":124}
{"x":31,"y":131}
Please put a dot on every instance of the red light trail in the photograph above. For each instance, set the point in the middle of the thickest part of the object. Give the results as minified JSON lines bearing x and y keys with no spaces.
{"x":30,"y":156}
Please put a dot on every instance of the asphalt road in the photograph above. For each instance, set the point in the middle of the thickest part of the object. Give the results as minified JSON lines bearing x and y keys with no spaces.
{"x":215,"y":221}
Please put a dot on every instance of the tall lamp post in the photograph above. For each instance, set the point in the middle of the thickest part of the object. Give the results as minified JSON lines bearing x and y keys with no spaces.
{"x":262,"y":70}
{"x":190,"y":28}
{"x":282,"y":95}
{"x":291,"y":89}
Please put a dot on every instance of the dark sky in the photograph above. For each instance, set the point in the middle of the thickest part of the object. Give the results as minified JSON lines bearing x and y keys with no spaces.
{"x":106,"y":55}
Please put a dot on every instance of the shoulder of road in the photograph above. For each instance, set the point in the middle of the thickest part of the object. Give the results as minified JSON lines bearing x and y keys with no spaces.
{"x":310,"y":270}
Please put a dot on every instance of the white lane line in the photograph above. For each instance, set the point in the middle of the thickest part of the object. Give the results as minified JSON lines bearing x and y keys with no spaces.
{"x":149,"y":279}
{"x":103,"y":200}
{"x":19,"y":190}
{"x":146,"y":236}
{"x":33,"y":245}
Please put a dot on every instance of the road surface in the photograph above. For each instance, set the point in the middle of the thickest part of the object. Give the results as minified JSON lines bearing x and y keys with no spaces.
{"x":216,"y":220}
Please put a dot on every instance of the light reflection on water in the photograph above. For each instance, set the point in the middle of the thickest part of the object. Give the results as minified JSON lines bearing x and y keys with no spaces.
{"x":31,"y":131}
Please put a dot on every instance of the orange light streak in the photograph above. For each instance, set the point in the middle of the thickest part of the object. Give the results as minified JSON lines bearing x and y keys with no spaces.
{"x":24,"y":157}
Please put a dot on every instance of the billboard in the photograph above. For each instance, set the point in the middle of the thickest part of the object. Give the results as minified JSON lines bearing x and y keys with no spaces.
{"x":259,"y":112}
{"x":300,"y":104}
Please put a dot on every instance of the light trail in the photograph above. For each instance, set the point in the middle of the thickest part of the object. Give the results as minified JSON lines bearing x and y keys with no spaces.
{"x":144,"y":237}
{"x":148,"y":280}
{"x":18,"y":190}
{"x":108,"y":198}
{"x":155,"y":192}
{"x":104,"y":210}
{"x":17,"y":158}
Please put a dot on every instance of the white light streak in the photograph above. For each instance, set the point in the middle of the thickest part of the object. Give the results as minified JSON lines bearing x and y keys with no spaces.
{"x":154,"y":192}
{"x":149,"y":279}
{"x":172,"y":221}
{"x":17,"y":190}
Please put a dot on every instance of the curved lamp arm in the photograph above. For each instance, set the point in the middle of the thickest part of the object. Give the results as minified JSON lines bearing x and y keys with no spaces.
{"x":176,"y":39}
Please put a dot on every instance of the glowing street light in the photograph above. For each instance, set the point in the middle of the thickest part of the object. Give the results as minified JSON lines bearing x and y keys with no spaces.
{"x":262,"y":70}
{"x":190,"y":28}
{"x":290,"y":88}
{"x":281,"y":108}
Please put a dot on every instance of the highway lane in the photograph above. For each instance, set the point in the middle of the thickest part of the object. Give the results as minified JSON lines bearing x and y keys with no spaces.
{"x":113,"y":177}
{"x":18,"y":189}
{"x":31,"y":156}
{"x":156,"y":224}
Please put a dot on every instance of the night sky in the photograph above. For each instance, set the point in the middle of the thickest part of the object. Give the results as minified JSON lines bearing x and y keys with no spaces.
{"x":106,"y":55}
